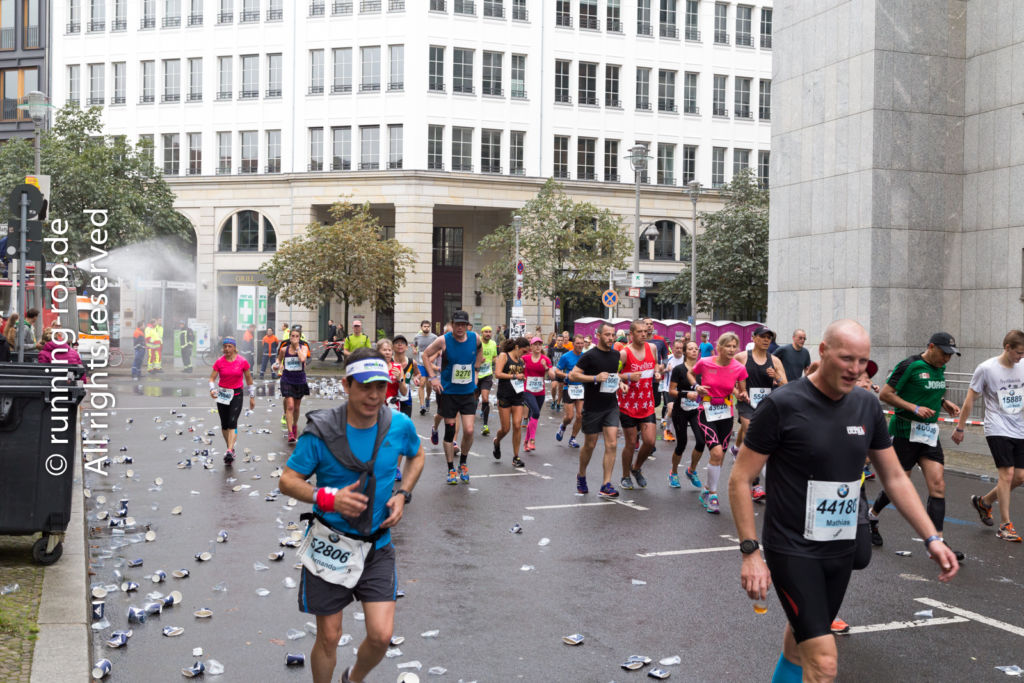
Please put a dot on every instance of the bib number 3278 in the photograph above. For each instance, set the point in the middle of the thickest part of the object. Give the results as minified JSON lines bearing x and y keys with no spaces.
{"x":831,"y":513}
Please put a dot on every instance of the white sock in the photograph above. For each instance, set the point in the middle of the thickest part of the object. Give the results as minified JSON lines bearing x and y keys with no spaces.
{"x":713,"y":472}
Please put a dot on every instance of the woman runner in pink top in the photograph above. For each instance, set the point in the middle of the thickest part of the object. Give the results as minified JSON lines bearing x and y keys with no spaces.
{"x":716,"y":378}
{"x":227,"y":390}
{"x":538,"y":367}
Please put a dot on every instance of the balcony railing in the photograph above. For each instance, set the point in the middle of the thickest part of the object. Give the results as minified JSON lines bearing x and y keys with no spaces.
{"x":117,"y":99}
{"x":766,"y":41}
{"x":96,"y":100}
{"x":369,"y":165}
{"x":669,"y":107}
{"x":171,"y":97}
{"x":147,"y":23}
{"x":147,"y":99}
{"x":583,"y":174}
{"x":195,"y":20}
{"x":588,"y":100}
{"x":315,"y":165}
{"x":8,"y":37}
{"x":494,"y":10}
{"x":316,"y":90}
{"x":745,"y":40}
{"x":692,"y":34}
{"x":517,"y":170}
{"x":273,"y":93}
{"x":171,"y":22}
{"x":195,"y":97}
{"x":434,"y":165}
{"x":119,"y":25}
{"x":395,"y":165}
{"x":396,"y":5}
{"x":463,"y":88}
{"x":249,"y":17}
{"x":275,"y":15}
{"x":563,"y":19}
{"x":721,"y":37}
{"x":613,"y":25}
{"x":369,"y":7}
{"x":316,"y":9}
{"x":369,"y":87}
{"x":194,"y":170}
{"x":435,"y":87}
{"x":520,"y":14}
{"x":490,"y":89}
{"x":490,"y":167}
{"x":563,"y":98}
{"x":518,"y":93}
{"x":612,"y":102}
{"x":590,"y":22}
{"x":341,"y":165}
{"x":691,"y":108}
{"x":561,"y":173}
{"x":744,"y":113}
{"x":248,"y":166}
{"x":396,"y":86}
{"x":248,"y":94}
{"x":341,"y":9}
{"x":643,"y":104}
{"x":341,"y":88}
{"x":611,"y":176}
{"x":32,"y":36}
{"x":467,"y":7}
{"x":643,"y":28}
{"x":224,"y":95}
{"x":73,"y":27}
{"x":97,"y":26}
{"x":224,"y":169}
{"x":668,"y":31}
{"x":438,"y":6}
{"x":460,"y":165}
{"x":718,"y":110}
{"x":226,"y":18}
{"x":273,"y":166}
{"x":764,"y":114}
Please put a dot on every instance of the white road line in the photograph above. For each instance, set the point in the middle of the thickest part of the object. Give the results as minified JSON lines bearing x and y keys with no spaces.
{"x":537,"y":474}
{"x":692,"y":551}
{"x":896,"y":625}
{"x":625,"y":503}
{"x":731,"y":538}
{"x":505,"y":474}
{"x":988,"y":621}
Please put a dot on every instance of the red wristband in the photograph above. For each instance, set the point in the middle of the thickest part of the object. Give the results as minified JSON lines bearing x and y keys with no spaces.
{"x":325,"y":498}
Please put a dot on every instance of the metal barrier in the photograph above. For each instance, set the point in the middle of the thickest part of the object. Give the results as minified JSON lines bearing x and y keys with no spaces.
{"x":957,"y":384}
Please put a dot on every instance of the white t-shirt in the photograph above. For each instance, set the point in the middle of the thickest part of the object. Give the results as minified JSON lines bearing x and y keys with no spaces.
{"x":1002,"y":389}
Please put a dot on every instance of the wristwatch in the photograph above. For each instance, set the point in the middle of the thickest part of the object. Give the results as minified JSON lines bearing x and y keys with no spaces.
{"x":748,"y":547}
{"x":405,"y":494}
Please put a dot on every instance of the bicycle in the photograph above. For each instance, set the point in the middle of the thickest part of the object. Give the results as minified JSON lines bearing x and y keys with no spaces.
{"x":116,"y":358}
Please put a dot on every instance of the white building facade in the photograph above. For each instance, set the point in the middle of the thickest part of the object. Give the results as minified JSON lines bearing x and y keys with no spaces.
{"x":446,"y":115}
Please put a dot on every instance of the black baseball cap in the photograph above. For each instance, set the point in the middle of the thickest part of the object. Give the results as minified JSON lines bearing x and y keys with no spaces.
{"x":762,"y":330}
{"x":460,"y":317}
{"x":945,"y":341}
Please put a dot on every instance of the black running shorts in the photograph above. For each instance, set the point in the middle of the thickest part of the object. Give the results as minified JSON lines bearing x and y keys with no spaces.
{"x":1006,"y":451}
{"x":377,"y":584}
{"x":909,"y":452}
{"x":451,"y":405}
{"x":594,"y":422}
{"x":811,"y":590}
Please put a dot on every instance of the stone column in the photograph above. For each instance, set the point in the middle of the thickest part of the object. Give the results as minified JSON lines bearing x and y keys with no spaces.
{"x":414,"y":228}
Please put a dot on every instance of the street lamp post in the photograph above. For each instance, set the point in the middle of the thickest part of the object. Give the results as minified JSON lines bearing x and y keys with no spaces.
{"x":694,"y":186}
{"x":37,"y":110}
{"x":517,"y":223}
{"x":638,"y":160}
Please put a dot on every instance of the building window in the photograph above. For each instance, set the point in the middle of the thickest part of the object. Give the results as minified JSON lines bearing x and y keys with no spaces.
{"x":763,"y":167}
{"x":692,"y":32}
{"x":717,"y":166}
{"x":490,"y":151}
{"x":491,"y":74}
{"x":74,"y":16}
{"x":766,"y":28}
{"x":275,"y":74}
{"x":643,"y":88}
{"x":250,"y":151}
{"x":195,"y":79}
{"x":462,"y":70}
{"x":172,"y":13}
{"x":562,"y":81}
{"x":172,"y":80}
{"x":146,"y":146}
{"x":435,"y":148}
{"x":96,"y":85}
{"x":224,"y":153}
{"x":718,"y":96}
{"x":248,"y":228}
{"x":250,"y":12}
{"x":120,"y":82}
{"x":275,"y":10}
{"x":588,"y":15}
{"x":33,"y":11}
{"x":494,"y":8}
{"x":195,"y":15}
{"x":742,"y":98}
{"x":396,"y":67}
{"x":611,"y":161}
{"x":74,"y":83}
{"x":611,"y":86}
{"x":764,"y":99}
{"x":224,"y":76}
{"x":448,"y":251}
{"x":467,"y":7}
{"x":97,"y":20}
{"x":519,"y":11}
{"x":250,"y":78}
{"x":586,"y":151}
{"x":317,"y":8}
{"x":395,"y":144}
{"x":587,"y":80}
{"x":519,"y":76}
{"x":643,"y":18}
{"x":666,"y":90}
{"x":721,"y":23}
{"x":563,"y":13}
{"x":666,"y":164}
{"x":561,"y":157}
{"x":667,"y":26}
{"x":462,"y":149}
{"x":690,"y":93}
{"x":613,"y":14}
{"x":342,"y":60}
{"x":195,"y":153}
{"x":273,"y":151}
{"x":435,"y":77}
{"x":316,"y":72}
{"x":172,"y":154}
{"x":665,"y":244}
{"x":316,"y":149}
{"x":226,"y":15}
{"x":437,"y":6}
{"x":689,"y":170}
{"x":369,"y":58}
{"x":148,"y":15}
{"x":148,"y":76}
{"x":740,"y":161}
{"x":516,"y":152}
{"x":341,"y":148}
{"x":743,"y":21}
{"x":8,"y":27}
{"x":369,"y":147}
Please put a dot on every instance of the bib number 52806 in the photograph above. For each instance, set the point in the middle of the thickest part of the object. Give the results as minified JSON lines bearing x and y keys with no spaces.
{"x":330,"y":552}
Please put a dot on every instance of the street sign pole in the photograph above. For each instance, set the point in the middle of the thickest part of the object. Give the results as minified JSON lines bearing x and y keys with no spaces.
{"x":22,"y":273}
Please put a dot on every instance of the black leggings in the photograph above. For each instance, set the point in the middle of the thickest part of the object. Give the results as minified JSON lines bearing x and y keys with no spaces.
{"x":229,"y":412}
{"x":811,"y":590}
{"x":534,"y":403}
{"x":681,"y":419}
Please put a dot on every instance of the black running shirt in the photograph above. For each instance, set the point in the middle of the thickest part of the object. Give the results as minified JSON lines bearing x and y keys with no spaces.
{"x":806,"y":435}
{"x":593,"y":363}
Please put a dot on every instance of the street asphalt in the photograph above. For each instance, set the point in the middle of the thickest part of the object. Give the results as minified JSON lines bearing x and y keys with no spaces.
{"x":651,"y":574}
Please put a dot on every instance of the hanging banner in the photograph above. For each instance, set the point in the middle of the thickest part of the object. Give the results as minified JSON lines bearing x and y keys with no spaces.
{"x":261,"y":308}
{"x":246,"y":306}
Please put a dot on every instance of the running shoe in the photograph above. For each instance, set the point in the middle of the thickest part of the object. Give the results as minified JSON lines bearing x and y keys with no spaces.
{"x":560,"y":433}
{"x":433,"y":436}
{"x":485,"y":430}
{"x":868,"y":472}
{"x":667,"y":436}
{"x":531,"y":445}
{"x":713,"y":504}
{"x":735,"y":451}
{"x":673,"y":480}
{"x":641,"y":480}
{"x":517,"y":461}
{"x":497,"y":449}
{"x":229,"y":456}
{"x":757,"y":493}
{"x":284,"y":422}
{"x":573,"y":443}
{"x":694,"y":479}
{"x":428,"y":403}
{"x":608,"y":491}
{"x":839,"y":626}
{"x":984,"y":511}
{"x":453,"y":478}
{"x":526,"y":421}
{"x":1008,"y":533}
{"x":703,"y":498}
{"x":464,"y":474}
{"x":423,"y":410}
{"x":626,"y":484}
{"x":876,"y":538}
{"x":291,"y":438}
{"x":581,"y":484}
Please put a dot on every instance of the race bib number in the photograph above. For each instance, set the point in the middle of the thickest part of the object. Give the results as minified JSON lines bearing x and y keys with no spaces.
{"x":924,"y":432}
{"x":1011,"y":401}
{"x":758,"y":393}
{"x":689,"y":404}
{"x":462,"y":374}
{"x":576,"y":392}
{"x":485,"y":369}
{"x":517,"y":386}
{"x":333,"y":557}
{"x":663,"y":386}
{"x":534,"y":384}
{"x":610,"y":385}
{"x":832,"y":510}
{"x":714,"y":413}
{"x":292,"y":364}
{"x":225,"y":396}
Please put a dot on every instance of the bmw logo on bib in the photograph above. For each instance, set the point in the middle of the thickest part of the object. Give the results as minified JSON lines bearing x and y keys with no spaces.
{"x":843,"y":491}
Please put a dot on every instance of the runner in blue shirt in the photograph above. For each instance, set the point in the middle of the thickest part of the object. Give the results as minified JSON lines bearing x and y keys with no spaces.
{"x":706,"y":347}
{"x":572,"y":392}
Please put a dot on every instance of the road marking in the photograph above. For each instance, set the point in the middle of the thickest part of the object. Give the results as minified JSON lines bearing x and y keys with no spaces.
{"x":1016,"y":630}
{"x":504,"y":474}
{"x":691,"y":551}
{"x":731,"y":538}
{"x":624,"y":503}
{"x":896,"y":625}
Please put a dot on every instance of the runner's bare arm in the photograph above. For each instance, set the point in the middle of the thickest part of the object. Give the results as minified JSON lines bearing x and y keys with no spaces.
{"x":951,"y":408}
{"x":347,"y":501}
{"x":888,"y":395}
{"x":499,"y":366}
{"x":741,"y":393}
{"x":780,"y":372}
{"x":431,"y":353}
{"x":965,"y":411}
{"x":754,"y":575}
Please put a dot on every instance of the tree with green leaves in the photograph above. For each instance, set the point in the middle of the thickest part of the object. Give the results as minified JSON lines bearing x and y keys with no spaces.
{"x":347,"y":259}
{"x":732,"y":255}
{"x":567,"y":249}
{"x":89,"y":170}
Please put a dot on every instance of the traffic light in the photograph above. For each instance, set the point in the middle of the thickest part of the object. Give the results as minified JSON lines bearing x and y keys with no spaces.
{"x":33,"y":240}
